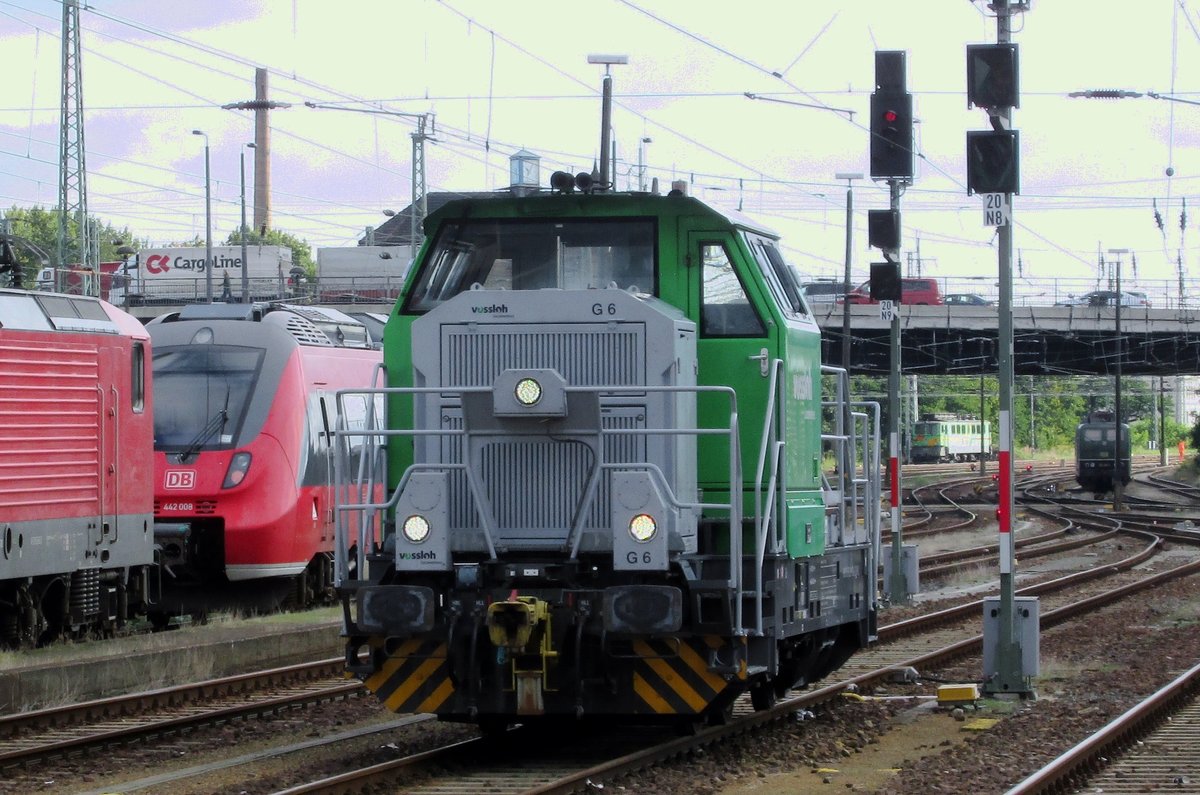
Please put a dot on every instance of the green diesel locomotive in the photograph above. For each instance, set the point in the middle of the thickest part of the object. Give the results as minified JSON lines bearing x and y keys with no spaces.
{"x":620,"y":483}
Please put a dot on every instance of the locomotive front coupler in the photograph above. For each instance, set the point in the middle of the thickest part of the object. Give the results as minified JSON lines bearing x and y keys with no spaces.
{"x":511,"y":574}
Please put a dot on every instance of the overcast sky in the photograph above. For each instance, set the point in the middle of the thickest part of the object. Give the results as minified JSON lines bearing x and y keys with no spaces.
{"x":505,"y":75}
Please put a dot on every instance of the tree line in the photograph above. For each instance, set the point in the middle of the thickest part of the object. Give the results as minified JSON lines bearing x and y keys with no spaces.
{"x":1048,"y":420}
{"x":38,"y":227}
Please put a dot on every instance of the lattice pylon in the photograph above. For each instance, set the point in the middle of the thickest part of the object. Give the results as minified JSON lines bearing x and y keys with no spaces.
{"x":72,"y":167}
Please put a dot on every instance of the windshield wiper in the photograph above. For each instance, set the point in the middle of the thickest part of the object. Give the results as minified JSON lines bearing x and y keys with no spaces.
{"x":215,"y":424}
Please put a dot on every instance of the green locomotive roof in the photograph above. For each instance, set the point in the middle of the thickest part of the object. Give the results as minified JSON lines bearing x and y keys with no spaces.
{"x":571,"y":205}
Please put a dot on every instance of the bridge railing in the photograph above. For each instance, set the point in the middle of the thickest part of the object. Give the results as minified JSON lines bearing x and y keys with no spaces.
{"x":385,"y":288}
{"x":1161,"y":293}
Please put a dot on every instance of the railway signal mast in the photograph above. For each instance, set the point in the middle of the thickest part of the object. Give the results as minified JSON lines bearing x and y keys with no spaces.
{"x":993,"y":170}
{"x":892,"y":160}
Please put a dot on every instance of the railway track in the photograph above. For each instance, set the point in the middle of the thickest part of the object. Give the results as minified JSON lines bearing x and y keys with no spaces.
{"x":927,"y":515}
{"x":474,"y":771}
{"x":903,"y":647}
{"x":29,"y":737}
{"x":104,"y":720}
{"x":86,"y":727}
{"x":1186,"y":490}
{"x":1055,"y":542}
{"x":1153,"y":747}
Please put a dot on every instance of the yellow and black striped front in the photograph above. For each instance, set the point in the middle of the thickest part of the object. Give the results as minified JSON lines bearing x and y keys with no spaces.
{"x":671,"y":677}
{"x":415,"y":678}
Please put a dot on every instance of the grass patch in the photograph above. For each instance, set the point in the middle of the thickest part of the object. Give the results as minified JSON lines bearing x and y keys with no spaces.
{"x":971,"y":575}
{"x":1178,"y":613}
{"x":1056,"y":669}
{"x":320,"y":615}
{"x":1052,"y":669}
{"x":1187,"y":472}
{"x":219,"y":626}
{"x":999,"y":706}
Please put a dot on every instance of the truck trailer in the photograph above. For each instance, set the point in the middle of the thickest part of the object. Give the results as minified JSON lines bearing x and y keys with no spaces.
{"x":180,"y":275}
{"x":361,"y":274}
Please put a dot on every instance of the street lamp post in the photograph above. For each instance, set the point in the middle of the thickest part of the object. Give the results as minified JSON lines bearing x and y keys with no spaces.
{"x":849,"y":259}
{"x":608,"y":61}
{"x":208,"y":257}
{"x":244,"y":235}
{"x":1118,"y":485}
{"x":642,"y":163}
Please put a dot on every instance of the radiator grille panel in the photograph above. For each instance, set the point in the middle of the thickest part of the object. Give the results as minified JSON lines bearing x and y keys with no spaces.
{"x":584,"y":358}
{"x":536,"y":485}
{"x":50,"y":411}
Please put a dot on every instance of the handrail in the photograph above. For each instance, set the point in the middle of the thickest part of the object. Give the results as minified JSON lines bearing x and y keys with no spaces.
{"x":375,"y":437}
{"x":764,"y":511}
{"x":769,"y":485}
{"x":114,"y":526}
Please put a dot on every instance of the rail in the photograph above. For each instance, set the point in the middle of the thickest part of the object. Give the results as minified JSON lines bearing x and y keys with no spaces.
{"x":575,"y":773}
{"x":1063,"y":773}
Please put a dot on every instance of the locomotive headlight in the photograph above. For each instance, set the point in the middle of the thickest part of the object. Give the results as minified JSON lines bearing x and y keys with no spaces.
{"x":642,"y":527}
{"x":416,"y":528}
{"x":528,"y":391}
{"x":238,"y":466}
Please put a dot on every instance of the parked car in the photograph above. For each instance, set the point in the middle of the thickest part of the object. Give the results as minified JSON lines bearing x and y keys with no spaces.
{"x":966,"y":299}
{"x":822,"y":292}
{"x":1106,"y":298}
{"x":913,"y":291}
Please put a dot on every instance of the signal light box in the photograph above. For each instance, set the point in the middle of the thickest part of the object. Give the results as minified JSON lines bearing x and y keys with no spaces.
{"x":891,"y":135}
{"x":891,"y":118}
{"x":993,"y":161}
{"x":885,"y":281}
{"x":883,"y":229}
{"x":992,"y":76}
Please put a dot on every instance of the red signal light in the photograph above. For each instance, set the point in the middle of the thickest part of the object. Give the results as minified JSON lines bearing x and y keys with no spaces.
{"x":890,"y":116}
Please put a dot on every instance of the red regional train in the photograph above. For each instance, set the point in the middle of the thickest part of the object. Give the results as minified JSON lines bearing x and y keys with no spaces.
{"x":244,"y":395}
{"x":76,"y":536}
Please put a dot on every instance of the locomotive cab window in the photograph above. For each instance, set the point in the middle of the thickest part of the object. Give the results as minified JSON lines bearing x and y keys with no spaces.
{"x":725,"y":308}
{"x":533,"y":255}
{"x":21,"y":312}
{"x":779,"y":277}
{"x":201,"y":395}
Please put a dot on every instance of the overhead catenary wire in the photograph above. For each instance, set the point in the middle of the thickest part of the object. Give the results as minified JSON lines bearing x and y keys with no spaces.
{"x":802,"y":188}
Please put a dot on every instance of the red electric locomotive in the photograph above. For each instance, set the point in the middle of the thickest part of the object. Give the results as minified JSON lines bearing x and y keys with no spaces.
{"x":76,"y":537}
{"x":244,"y":395}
